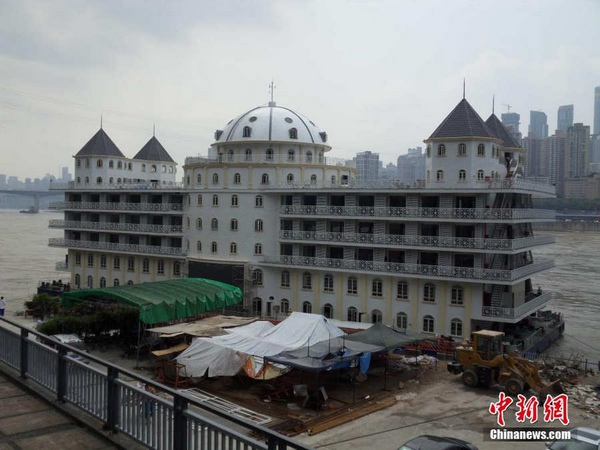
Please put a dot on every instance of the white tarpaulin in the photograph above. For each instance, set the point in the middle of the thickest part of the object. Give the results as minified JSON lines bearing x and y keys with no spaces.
{"x":226,"y":355}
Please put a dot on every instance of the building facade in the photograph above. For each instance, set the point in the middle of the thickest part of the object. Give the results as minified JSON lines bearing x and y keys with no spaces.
{"x":564,"y":118}
{"x":538,"y":125}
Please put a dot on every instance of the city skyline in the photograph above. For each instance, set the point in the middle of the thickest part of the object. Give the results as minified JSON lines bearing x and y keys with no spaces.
{"x":179,"y":67}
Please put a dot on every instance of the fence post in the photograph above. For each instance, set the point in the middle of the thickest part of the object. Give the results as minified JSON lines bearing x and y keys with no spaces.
{"x":24,"y":363}
{"x":61,"y":374}
{"x":179,"y":423}
{"x":112,"y":403}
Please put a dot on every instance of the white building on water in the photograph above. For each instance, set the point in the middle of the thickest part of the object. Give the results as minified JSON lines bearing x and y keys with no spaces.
{"x":269,"y":211}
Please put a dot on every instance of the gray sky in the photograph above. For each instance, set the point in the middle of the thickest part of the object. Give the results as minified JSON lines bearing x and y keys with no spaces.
{"x":376,"y":75}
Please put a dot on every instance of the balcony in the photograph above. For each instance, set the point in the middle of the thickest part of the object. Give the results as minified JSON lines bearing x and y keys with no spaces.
{"x":110,"y":226}
{"x":467,"y":274}
{"x":118,"y":206}
{"x":387,"y":240}
{"x":513,"y":315}
{"x":117,"y":248}
{"x":73,"y":186}
{"x":417,"y":213}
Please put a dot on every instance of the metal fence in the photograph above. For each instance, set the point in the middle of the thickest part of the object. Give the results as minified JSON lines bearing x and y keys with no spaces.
{"x":174,"y":421}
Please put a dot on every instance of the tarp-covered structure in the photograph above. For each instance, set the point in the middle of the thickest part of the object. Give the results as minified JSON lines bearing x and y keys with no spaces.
{"x":163,"y":301}
{"x":383,"y":336}
{"x":246,"y":346}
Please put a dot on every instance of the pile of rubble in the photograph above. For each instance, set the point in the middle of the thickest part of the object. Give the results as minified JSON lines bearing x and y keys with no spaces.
{"x":569,"y":371}
{"x":402,"y":363}
{"x":586,"y":397}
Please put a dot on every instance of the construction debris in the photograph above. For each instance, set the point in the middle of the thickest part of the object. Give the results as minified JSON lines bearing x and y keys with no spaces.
{"x":585,"y":397}
{"x":402,"y":363}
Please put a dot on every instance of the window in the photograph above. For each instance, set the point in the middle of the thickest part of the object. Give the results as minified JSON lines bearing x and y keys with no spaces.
{"x":352,"y":285}
{"x":290,"y":178}
{"x":258,"y":201}
{"x":215,"y":200}
{"x":164,"y":168}
{"x":401,"y":321}
{"x":258,"y":225}
{"x":248,"y":154}
{"x":328,"y":283}
{"x":90,"y":261}
{"x":462,"y":175}
{"x":152,"y":168}
{"x":199,"y":201}
{"x":439,"y":175}
{"x":291,"y":155}
{"x":111,"y":180}
{"x":429,"y":293}
{"x":441,"y":150}
{"x":456,"y":297}
{"x":352,"y":314}
{"x":146,"y":265}
{"x":313,"y":180}
{"x":99,"y":163}
{"x":309,"y":157}
{"x":77,"y":280}
{"x":87,"y":163}
{"x":293,"y":133}
{"x":377,"y":288}
{"x":130,"y":282}
{"x":233,"y":248}
{"x":230,"y":155}
{"x":481,"y":150}
{"x":402,"y":290}
{"x":376,"y":316}
{"x":117,"y":263}
{"x":102,"y":282}
{"x":215,"y":178}
{"x":306,"y":280}
{"x":120,"y":165}
{"x":428,"y":151}
{"x":456,"y":328}
{"x":90,"y":281}
{"x":214,"y":248}
{"x":130,"y":264}
{"x":333,"y":180}
{"x":269,"y":154}
{"x":462,"y":149}
{"x":130,"y":167}
{"x":428,"y":324}
{"x":160,"y":267}
{"x":78,"y":163}
{"x":257,"y":277}
{"x":188,"y":222}
{"x":176,"y":268}
{"x":234,"y":200}
{"x":264,"y":179}
{"x":199,"y":180}
{"x":285,"y":279}
{"x":103,"y":261}
{"x":247,"y":132}
{"x":328,"y":311}
{"x":233,"y":225}
{"x":199,"y":223}
{"x":78,"y":180}
{"x":87,"y":180}
{"x":480,"y":175}
{"x":237,"y":178}
{"x":116,"y":282}
{"x":199,"y":246}
{"x":77,"y":259}
{"x":214,"y":224}
{"x":258,"y":249}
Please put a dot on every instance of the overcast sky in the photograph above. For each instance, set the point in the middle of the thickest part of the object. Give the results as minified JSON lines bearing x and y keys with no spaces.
{"x":376,"y":75}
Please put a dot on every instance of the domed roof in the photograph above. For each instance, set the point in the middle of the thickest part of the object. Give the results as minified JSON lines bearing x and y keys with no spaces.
{"x":271,"y":123}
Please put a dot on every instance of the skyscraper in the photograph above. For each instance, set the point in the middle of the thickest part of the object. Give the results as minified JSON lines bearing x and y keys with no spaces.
{"x":538,"y":124}
{"x":565,"y":117}
{"x":512,"y":121}
{"x":577,"y":158}
{"x":597,"y":110}
{"x":367,"y":166}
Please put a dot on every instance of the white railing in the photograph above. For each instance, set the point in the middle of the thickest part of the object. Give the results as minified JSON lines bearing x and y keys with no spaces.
{"x":115,"y":247}
{"x":420,"y":213}
{"x":72,"y":185}
{"x":518,"y":313}
{"x":110,"y":226}
{"x":118,"y":206}
{"x":418,"y":270}
{"x":417,"y":241}
{"x":273,"y":159}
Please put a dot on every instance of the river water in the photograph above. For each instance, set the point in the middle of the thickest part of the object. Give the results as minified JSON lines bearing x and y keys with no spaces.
{"x":26,"y":259}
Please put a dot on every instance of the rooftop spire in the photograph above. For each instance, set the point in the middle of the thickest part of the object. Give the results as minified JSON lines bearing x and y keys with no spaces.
{"x":493,"y":102}
{"x":463,"y":88}
{"x":272,"y":93}
{"x":100,"y":121}
{"x":154,"y":130}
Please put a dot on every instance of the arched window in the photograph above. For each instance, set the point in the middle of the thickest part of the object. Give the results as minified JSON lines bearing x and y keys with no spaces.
{"x":199,"y":200}
{"x":290,"y":178}
{"x":177,"y":268}
{"x":146,"y":265}
{"x":199,"y":246}
{"x":376,"y":316}
{"x":352,"y":285}
{"x":130,"y":282}
{"x":215,"y":178}
{"x":233,"y":248}
{"x":117,"y":263}
{"x":90,"y":260}
{"x":160,"y":264}
{"x":480,"y":175}
{"x":257,"y":277}
{"x":119,"y":164}
{"x":401,"y":321}
{"x":293,"y":133}
{"x":90,"y":281}
{"x":258,"y":225}
{"x":462,"y":175}
{"x":102,"y":282}
{"x":328,"y":283}
{"x":215,"y":200}
{"x":103,"y":261}
{"x":439,"y":175}
{"x":119,"y":180}
{"x":116,"y":282}
{"x":306,"y":280}
{"x":328,"y":311}
{"x":164,"y":168}
{"x":188,"y":222}
{"x":171,"y":170}
{"x":130,"y":166}
{"x":233,"y":225}
{"x":131,"y":264}
{"x":143,"y":166}
{"x":248,"y":154}
{"x":441,"y":150}
{"x":285,"y":306}
{"x":313,"y":179}
{"x":214,"y":224}
{"x":87,"y":180}
{"x":214,"y":247}
{"x":258,"y":249}
{"x":309,"y":157}
{"x":285,"y":279}
{"x":258,"y":201}
{"x":402,"y":290}
{"x":78,"y":162}
{"x":291,"y":155}
{"x":230,"y":156}
{"x":247,"y":132}
{"x":111,"y":180}
{"x":429,"y":293}
{"x":264,"y":179}
{"x":333,"y":180}
{"x":481,"y":150}
{"x":428,"y":324}
{"x":456,"y":297}
{"x":377,"y":288}
{"x":199,"y":178}
{"x":234,"y":200}
{"x":462,"y":149}
{"x":153,"y":168}
{"x":78,"y":180}
{"x":77,"y":280}
{"x":237,"y":178}
{"x":307,"y":308}
{"x":269,"y":154}
{"x":456,"y":327}
{"x":99,"y":163}
{"x":352,"y":314}
{"x":99,"y":180}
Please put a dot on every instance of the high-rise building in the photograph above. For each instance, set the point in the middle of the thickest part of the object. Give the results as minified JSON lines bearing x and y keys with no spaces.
{"x":577,"y":158}
{"x":411,"y":167}
{"x":597,"y":110}
{"x":538,"y":124}
{"x":536,"y":156}
{"x":565,"y":117}
{"x":367,"y":166}
{"x":512,"y":121}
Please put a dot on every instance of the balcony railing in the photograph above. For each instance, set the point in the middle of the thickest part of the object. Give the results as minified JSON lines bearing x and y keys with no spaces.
{"x":518,"y":313}
{"x":72,"y":185}
{"x":115,"y":247}
{"x":118,"y":206}
{"x":417,"y":270}
{"x":110,"y":226}
{"x":417,"y":241}
{"x":420,"y":213}
{"x":273,"y":159}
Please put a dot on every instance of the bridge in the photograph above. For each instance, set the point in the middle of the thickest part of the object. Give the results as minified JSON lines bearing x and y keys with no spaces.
{"x":37,"y":195}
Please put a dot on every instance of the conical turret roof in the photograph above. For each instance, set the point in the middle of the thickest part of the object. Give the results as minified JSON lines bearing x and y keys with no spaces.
{"x":153,"y":151}
{"x":463,"y":121}
{"x":500,"y":132}
{"x":100,"y":145}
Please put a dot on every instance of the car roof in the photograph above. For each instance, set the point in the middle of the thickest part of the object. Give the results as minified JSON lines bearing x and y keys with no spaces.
{"x":586,"y":434}
{"x":431,"y":442}
{"x":66,"y":338}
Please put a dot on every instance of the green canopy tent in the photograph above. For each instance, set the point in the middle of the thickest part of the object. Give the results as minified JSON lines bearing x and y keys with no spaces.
{"x":163,"y":301}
